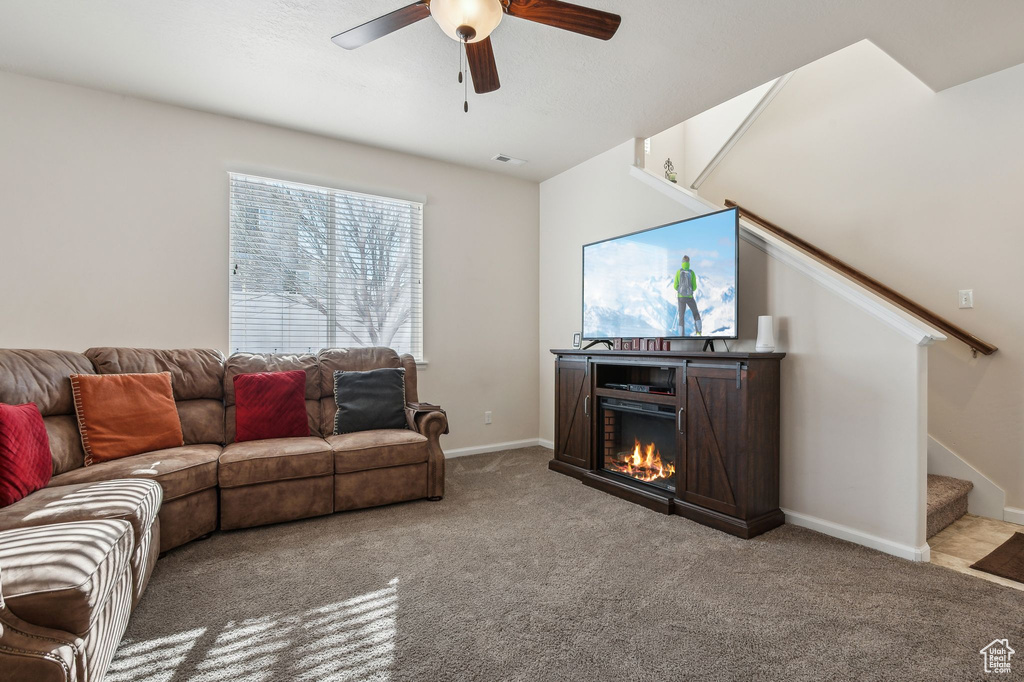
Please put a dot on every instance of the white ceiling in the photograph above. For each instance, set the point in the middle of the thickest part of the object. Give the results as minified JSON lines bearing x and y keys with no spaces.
{"x":564,"y":98}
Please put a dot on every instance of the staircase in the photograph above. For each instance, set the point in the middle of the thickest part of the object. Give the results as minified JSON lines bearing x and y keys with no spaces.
{"x":947,"y":501}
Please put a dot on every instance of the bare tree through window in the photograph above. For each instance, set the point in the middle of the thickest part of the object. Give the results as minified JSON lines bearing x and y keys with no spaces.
{"x":313,"y":267}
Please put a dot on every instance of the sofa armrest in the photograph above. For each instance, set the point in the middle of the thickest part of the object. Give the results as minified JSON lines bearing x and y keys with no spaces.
{"x":418,"y":412}
{"x":432,"y":422}
{"x":30,"y":652}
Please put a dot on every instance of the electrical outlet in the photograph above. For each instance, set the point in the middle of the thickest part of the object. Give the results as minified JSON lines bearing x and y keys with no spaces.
{"x":967,"y":298}
{"x":487,"y":417}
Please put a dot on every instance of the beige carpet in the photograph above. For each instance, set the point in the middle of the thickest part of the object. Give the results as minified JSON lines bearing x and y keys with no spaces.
{"x":523,"y":574}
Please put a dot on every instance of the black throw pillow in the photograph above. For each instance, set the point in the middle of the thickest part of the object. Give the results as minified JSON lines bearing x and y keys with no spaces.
{"x":370,"y":400}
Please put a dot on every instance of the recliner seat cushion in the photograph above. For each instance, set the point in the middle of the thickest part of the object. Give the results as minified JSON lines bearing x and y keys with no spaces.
{"x":61,"y":576}
{"x":276,"y":459}
{"x":180,"y":471}
{"x":377,"y":449}
{"x":136,"y":501}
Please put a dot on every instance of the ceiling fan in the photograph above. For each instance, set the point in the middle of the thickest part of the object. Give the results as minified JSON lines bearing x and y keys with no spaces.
{"x":471,"y":22}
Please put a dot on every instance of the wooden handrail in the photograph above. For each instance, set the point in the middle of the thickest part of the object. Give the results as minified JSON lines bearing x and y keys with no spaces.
{"x":891,"y":295}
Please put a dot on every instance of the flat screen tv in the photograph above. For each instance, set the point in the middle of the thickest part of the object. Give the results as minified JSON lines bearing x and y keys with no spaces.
{"x":675,"y":281}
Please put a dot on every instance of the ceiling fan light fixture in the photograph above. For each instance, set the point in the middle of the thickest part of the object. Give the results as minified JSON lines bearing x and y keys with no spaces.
{"x":467,"y":20}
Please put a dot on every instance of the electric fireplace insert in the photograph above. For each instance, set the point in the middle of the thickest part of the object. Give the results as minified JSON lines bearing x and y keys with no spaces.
{"x":638,"y":441}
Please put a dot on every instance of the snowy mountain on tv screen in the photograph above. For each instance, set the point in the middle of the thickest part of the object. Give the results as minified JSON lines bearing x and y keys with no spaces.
{"x":628,"y":283}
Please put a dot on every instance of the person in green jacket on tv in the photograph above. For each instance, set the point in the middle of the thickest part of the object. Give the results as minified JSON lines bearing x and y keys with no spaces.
{"x":686,"y":288}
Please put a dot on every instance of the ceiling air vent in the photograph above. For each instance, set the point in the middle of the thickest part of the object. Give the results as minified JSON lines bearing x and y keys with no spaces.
{"x":505,"y":158}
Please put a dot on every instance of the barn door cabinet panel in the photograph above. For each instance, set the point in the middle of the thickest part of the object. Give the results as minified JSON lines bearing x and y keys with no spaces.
{"x":725,"y":451}
{"x":731,"y":477}
{"x":572,"y":414}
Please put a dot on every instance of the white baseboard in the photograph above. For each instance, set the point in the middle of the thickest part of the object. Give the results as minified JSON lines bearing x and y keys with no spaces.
{"x":985,"y":499}
{"x":922,"y":553}
{"x":549,"y":444}
{"x":495,"y":447}
{"x":1013,"y":515}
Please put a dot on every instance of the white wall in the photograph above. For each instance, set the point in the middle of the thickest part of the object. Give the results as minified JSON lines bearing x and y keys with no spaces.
{"x":706,"y":132}
{"x":853,"y":404}
{"x":590,"y":202}
{"x":668,"y":144}
{"x":921,"y":191}
{"x":853,"y":432}
{"x":115,"y":232}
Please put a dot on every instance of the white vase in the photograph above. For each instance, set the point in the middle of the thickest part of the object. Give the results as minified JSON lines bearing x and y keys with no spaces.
{"x":765,"y":335}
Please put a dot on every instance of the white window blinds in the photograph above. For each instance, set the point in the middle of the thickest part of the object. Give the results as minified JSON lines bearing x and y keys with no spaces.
{"x":313,"y":268}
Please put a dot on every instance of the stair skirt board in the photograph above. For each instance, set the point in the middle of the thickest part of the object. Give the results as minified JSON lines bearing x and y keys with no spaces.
{"x":947,"y":501}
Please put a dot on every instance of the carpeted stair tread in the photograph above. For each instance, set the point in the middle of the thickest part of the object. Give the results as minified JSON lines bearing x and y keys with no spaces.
{"x":947,"y":501}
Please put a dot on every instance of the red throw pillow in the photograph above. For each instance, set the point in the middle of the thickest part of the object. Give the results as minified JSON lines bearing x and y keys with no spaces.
{"x":270,"y":405}
{"x":25,"y":463}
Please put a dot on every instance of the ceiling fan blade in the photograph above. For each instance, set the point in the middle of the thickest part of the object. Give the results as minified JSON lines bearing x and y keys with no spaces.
{"x":482,"y":66}
{"x":563,"y":15}
{"x":381,"y":26}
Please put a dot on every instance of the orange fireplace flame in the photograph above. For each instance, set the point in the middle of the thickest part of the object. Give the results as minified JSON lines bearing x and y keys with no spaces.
{"x":644,"y":463}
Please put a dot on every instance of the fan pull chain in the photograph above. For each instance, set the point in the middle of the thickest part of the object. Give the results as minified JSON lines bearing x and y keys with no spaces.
{"x":460,"y":64}
{"x":465,"y":106}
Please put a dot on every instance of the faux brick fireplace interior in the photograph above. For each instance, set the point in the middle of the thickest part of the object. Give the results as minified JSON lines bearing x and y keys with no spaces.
{"x":639,"y":441}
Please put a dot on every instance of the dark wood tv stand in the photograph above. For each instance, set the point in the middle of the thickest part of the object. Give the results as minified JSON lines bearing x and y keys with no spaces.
{"x":716,"y":416}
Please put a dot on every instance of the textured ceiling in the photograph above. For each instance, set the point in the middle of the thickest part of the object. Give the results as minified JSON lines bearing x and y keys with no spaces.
{"x":564,"y":98}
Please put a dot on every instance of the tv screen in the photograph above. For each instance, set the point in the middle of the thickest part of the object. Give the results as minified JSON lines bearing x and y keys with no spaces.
{"x":674,"y":281}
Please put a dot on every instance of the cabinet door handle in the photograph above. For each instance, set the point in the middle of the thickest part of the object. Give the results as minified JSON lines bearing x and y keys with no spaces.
{"x":679,"y":419}
{"x":586,"y":406}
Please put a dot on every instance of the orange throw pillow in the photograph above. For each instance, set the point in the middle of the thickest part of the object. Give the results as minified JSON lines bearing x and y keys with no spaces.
{"x":125,"y":414}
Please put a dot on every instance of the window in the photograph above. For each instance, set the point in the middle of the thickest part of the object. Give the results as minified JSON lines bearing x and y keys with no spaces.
{"x":313,"y":268}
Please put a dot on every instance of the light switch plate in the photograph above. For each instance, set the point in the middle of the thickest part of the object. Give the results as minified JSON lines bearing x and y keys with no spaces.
{"x":967,"y":298}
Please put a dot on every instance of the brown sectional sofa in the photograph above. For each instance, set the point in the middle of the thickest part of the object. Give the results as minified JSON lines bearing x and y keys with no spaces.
{"x":76,"y":556}
{"x":66,"y":599}
{"x":372,"y":468}
{"x":188,"y":474}
{"x":266,"y":481}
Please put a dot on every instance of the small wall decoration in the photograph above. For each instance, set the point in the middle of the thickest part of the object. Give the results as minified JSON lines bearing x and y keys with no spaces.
{"x":670,"y":171}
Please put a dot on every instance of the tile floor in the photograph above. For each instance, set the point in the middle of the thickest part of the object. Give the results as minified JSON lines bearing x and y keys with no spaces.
{"x":968,"y":540}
